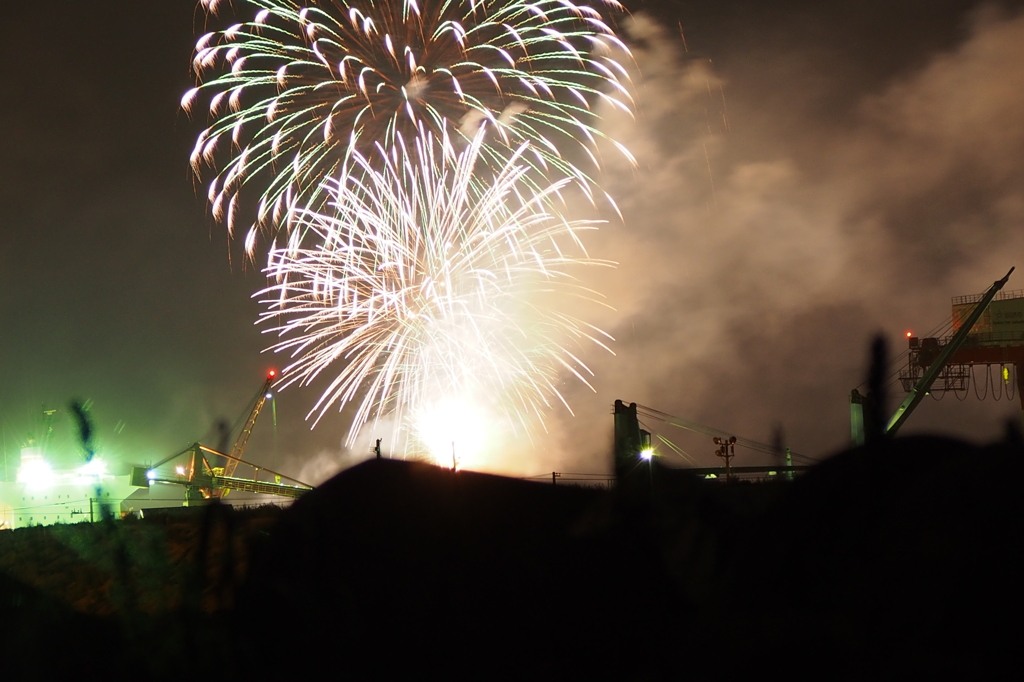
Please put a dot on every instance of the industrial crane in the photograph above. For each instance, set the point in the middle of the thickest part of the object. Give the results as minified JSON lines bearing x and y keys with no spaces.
{"x":203,"y":480}
{"x":243,"y":436}
{"x":936,"y":362}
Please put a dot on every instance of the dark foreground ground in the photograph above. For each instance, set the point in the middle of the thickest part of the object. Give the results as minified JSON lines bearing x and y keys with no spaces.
{"x":879,"y":563}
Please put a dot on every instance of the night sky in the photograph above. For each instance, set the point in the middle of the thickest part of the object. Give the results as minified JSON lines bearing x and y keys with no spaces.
{"x":810,"y":174}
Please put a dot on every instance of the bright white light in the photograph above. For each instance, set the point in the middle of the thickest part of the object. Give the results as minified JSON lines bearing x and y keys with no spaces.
{"x":453,"y":431}
{"x":94,"y":468}
{"x":179,"y":470}
{"x":151,"y":474}
{"x":35,"y":473}
{"x":646,"y":454}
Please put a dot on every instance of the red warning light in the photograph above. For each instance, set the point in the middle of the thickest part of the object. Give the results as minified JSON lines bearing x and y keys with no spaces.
{"x":273,"y":373}
{"x":909,"y":334}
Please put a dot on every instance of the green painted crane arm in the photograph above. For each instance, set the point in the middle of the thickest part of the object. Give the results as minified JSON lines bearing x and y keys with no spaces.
{"x":925,"y":382}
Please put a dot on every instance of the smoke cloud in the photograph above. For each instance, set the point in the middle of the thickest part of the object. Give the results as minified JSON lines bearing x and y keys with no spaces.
{"x":765,"y":241}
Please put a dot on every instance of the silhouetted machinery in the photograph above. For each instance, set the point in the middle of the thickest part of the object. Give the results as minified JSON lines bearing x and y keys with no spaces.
{"x":633,"y":446}
{"x":988,"y":330}
{"x":208,"y":474}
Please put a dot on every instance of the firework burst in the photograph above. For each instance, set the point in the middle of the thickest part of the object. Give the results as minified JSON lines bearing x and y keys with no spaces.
{"x":424,"y":286}
{"x":298,"y":87}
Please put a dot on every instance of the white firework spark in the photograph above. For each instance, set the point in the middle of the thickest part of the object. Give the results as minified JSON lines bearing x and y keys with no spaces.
{"x":422,"y":285}
{"x":295,"y":89}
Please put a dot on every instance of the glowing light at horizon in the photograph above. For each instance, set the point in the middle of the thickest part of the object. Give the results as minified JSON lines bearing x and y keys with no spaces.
{"x":454,"y":432}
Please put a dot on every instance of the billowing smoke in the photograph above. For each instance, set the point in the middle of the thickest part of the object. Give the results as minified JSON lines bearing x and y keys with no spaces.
{"x":764,"y":241}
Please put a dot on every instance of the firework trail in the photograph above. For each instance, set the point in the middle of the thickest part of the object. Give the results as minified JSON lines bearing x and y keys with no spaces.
{"x":294,"y":90}
{"x":425,"y":285}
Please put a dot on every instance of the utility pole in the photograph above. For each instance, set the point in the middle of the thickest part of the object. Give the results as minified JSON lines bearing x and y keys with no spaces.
{"x":727,"y":452}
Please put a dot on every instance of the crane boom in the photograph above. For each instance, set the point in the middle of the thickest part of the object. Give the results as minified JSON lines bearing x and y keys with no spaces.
{"x":203,"y":482}
{"x":921,"y":388}
{"x":243,"y":437}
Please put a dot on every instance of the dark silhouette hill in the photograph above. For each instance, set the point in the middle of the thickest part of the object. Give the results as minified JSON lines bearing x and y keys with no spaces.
{"x":399,"y":568}
{"x":895,"y":560}
{"x":41,"y":636}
